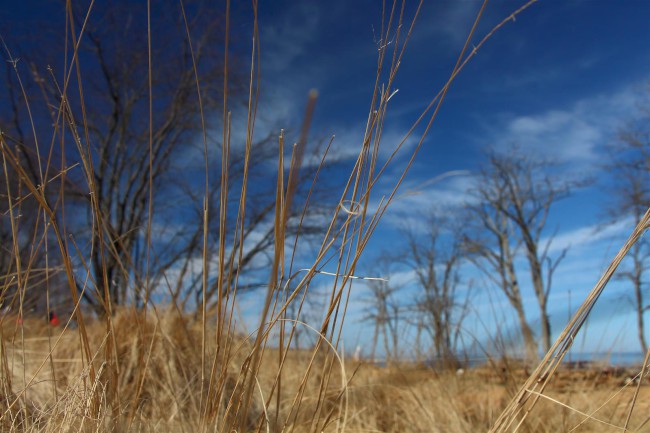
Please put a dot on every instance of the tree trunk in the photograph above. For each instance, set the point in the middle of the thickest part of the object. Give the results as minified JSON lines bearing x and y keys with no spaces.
{"x":530,"y":345}
{"x":638,"y":295}
{"x":540,"y":290}
{"x":542,"y":301}
{"x":546,"y":330}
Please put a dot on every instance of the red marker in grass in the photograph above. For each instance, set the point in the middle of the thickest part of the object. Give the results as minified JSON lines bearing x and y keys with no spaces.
{"x":54,"y":319}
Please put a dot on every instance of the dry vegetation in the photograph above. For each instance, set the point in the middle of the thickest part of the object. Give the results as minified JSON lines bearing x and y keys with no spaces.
{"x":152,"y":368}
{"x":55,"y":394}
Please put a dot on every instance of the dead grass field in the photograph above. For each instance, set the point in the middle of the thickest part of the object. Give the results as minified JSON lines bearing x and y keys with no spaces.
{"x":157,"y":370}
{"x":48,"y":394}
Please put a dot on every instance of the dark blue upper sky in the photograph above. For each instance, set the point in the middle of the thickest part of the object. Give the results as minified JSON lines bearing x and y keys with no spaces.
{"x":554,"y":55}
{"x":556,"y":58}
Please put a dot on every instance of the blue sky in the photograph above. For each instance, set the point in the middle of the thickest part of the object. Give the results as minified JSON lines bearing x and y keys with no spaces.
{"x":558,"y":82}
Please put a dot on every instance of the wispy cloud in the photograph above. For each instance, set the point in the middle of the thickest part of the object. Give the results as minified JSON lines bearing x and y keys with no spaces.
{"x":583,"y":237}
{"x":348,"y":142}
{"x":286,"y":38}
{"x":447,"y":196}
{"x":451,"y":21}
{"x":572,"y":135}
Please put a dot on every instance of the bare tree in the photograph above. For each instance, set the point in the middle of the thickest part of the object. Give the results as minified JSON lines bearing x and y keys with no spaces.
{"x":22,"y":264}
{"x":630,"y":167}
{"x":435,"y":258}
{"x":384,"y":311}
{"x":131,"y":161}
{"x":514,"y":195}
{"x":124,"y":153}
{"x":133,"y":157}
{"x":27,"y":272}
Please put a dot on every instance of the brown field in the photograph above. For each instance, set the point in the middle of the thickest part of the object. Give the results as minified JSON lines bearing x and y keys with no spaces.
{"x":173,"y":367}
{"x":159,"y":389}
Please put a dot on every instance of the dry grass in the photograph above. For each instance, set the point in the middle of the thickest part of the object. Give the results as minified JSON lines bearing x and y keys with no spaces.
{"x":361,"y":398}
{"x":157,"y":369}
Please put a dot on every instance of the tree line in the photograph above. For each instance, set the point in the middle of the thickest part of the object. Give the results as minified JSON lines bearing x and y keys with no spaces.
{"x":128,"y":147}
{"x":111,"y":140}
{"x":502,"y":230}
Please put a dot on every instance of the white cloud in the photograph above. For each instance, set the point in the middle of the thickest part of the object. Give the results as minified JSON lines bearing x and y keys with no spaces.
{"x":583,"y":237}
{"x":286,"y":38}
{"x":437,"y":194}
{"x":348,"y":143}
{"x":449,"y":20}
{"x":572,"y":135}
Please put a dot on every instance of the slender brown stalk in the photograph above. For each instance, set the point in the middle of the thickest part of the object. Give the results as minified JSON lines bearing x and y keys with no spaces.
{"x":526,"y":398}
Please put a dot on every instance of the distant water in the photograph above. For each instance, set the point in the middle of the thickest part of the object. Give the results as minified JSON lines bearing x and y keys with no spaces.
{"x":615,"y":359}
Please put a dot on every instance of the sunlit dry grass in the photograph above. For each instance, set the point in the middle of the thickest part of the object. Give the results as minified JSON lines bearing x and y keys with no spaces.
{"x":156,"y":368}
{"x":359,"y":397}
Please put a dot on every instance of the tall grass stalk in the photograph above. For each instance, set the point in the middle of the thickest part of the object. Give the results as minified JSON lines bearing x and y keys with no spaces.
{"x":529,"y":394}
{"x":161,"y":368}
